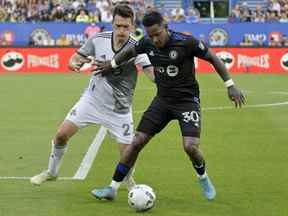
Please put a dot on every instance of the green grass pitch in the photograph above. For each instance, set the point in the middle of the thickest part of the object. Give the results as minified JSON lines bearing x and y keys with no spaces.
{"x":245,"y":149}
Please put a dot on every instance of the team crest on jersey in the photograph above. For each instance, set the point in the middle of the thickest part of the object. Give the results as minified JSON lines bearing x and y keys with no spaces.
{"x":160,"y":69}
{"x":173,"y":54}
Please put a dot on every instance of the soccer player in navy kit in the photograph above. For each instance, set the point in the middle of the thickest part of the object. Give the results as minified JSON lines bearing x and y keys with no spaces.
{"x":172,"y":55}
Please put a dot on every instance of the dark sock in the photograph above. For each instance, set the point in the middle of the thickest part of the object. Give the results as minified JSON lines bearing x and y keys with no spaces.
{"x":199,"y":167}
{"x":121,"y":171}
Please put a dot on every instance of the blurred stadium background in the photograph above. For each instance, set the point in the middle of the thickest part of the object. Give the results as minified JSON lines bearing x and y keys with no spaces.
{"x":246,"y":149}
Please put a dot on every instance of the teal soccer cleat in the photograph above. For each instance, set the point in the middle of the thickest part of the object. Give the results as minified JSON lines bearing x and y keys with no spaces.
{"x":105,"y":193}
{"x":207,"y":188}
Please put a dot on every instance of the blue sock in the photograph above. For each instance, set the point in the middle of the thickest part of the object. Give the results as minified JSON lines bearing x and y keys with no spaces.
{"x":121,"y":171}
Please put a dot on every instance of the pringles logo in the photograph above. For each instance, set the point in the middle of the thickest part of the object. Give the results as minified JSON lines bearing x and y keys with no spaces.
{"x":284,"y":61}
{"x":12,"y":61}
{"x":227,"y":58}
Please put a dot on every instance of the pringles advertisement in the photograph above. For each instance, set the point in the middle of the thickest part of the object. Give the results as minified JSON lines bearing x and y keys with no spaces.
{"x":35,"y":60}
{"x":55,"y":60}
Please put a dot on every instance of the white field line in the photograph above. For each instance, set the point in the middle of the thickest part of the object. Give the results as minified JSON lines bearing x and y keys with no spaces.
{"x":279,"y":92}
{"x":90,"y":155}
{"x":248,"y":106}
{"x":233,"y":107}
{"x":85,"y":165}
{"x":26,"y":178}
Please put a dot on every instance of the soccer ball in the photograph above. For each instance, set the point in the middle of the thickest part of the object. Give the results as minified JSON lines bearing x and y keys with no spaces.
{"x":141,"y":198}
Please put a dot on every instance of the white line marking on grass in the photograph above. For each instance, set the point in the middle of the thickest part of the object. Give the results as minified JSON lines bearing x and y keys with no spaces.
{"x":247,"y":106}
{"x":279,"y":92}
{"x":14,"y":177}
{"x":25,"y":177}
{"x":90,"y":155}
{"x":233,"y":107}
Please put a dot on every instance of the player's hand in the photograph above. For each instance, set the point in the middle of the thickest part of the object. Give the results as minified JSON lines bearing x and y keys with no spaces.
{"x":103,"y":67}
{"x":76,"y":62}
{"x":236,"y":96}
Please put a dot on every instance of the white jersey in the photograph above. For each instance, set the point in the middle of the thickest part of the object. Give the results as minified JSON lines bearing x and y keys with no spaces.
{"x":107,"y":100}
{"x":115,"y":91}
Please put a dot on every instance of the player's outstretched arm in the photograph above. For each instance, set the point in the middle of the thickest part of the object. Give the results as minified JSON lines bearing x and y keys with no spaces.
{"x":234,"y":93}
{"x":77,"y":61}
{"x":149,"y":72}
{"x":105,"y":67}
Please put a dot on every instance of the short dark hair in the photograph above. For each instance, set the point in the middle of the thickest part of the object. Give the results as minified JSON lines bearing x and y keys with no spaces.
{"x":152,"y":17}
{"x":120,"y":2}
{"x":123,"y":10}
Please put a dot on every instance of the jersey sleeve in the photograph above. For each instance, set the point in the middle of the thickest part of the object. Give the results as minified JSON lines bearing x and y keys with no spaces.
{"x":142,"y":60}
{"x":196,"y":48}
{"x":88,"y":48}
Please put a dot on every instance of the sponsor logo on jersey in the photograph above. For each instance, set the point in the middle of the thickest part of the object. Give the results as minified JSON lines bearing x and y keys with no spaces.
{"x":284,"y":61}
{"x":261,"y":61}
{"x":227,"y":58}
{"x":173,"y":54}
{"x":172,"y":70}
{"x":12,"y":61}
{"x":51,"y":61}
{"x":218,"y":37}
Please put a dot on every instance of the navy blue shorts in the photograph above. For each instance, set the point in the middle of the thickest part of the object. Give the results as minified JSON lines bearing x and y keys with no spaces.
{"x":160,"y":113}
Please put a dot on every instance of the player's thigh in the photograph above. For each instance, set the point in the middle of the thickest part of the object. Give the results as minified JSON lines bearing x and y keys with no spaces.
{"x":84,"y":112}
{"x":189,"y":119}
{"x":155,"y":118}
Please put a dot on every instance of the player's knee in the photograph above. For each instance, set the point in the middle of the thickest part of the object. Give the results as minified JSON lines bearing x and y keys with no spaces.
{"x":191,"y":147}
{"x":139,"y":141}
{"x":137,"y":145}
{"x":61,"y":138}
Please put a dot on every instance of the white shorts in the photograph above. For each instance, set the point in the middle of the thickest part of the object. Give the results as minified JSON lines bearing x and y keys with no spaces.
{"x":87,"y":111}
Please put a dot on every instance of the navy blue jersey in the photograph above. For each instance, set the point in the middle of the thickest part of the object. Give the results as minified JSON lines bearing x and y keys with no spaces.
{"x":174,"y":65}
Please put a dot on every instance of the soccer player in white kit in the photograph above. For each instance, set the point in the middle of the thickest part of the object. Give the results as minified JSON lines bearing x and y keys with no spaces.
{"x":107,"y":100}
